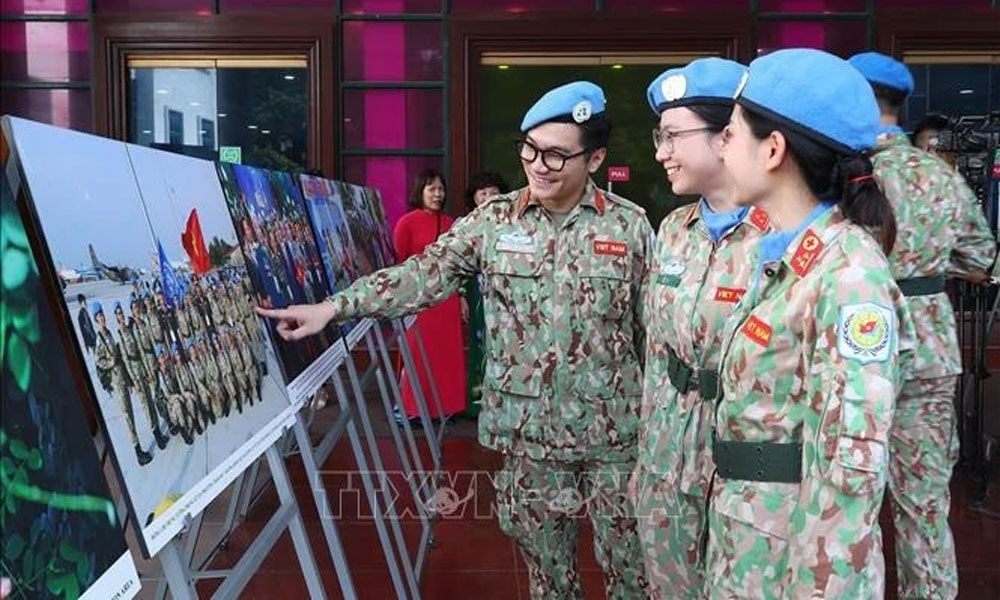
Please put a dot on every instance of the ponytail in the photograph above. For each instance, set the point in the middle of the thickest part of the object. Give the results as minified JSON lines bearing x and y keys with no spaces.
{"x":862,"y":201}
{"x":847,"y":178}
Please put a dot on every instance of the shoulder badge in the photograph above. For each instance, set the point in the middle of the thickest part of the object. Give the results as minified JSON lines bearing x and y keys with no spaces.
{"x":864,"y":332}
{"x":805,"y":255}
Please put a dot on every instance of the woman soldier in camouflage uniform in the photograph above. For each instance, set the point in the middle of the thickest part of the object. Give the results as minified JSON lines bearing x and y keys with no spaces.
{"x":700,"y":269}
{"x":811,"y":359}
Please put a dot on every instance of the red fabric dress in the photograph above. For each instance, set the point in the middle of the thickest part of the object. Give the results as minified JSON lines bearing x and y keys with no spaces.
{"x":440,"y":326}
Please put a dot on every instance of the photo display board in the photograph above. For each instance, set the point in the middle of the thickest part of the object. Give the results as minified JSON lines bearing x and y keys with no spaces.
{"x":185,"y":375}
{"x":62,"y":537}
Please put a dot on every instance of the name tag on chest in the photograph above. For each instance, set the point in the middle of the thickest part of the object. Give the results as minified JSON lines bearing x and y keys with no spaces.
{"x":516,"y":242}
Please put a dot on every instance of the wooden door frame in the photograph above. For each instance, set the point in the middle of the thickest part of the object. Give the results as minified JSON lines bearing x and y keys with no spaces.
{"x":309,"y":33}
{"x":728,"y":35}
{"x":937,"y":29}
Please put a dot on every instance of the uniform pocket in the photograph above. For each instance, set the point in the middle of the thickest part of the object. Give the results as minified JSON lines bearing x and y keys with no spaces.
{"x":514,"y":406}
{"x":513,"y":307}
{"x":856,"y":460}
{"x":603,"y":410}
{"x":604,"y":290}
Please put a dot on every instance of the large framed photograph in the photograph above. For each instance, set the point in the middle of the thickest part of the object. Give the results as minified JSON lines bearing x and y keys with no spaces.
{"x":283,"y":260}
{"x":186,"y":379}
{"x":360,"y":222}
{"x":371,"y":201}
{"x":62,"y":537}
{"x":335,"y":245}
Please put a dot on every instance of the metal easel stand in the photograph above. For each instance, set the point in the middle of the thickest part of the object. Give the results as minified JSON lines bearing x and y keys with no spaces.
{"x":433,"y":436}
{"x":384,"y":484}
{"x":181,"y":578}
{"x":421,"y":483}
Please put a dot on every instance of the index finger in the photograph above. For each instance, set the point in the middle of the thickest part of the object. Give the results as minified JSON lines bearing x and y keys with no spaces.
{"x":272,"y":313}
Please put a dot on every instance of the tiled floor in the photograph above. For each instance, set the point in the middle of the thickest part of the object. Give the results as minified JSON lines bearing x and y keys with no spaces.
{"x":471,"y":558}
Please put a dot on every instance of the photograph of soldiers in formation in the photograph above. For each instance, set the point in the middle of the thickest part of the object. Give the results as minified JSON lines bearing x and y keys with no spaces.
{"x":187,"y":363}
{"x":161,"y":305}
{"x":283,"y":259}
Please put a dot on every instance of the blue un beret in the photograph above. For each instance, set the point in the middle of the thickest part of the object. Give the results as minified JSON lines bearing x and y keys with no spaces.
{"x":580,"y":100}
{"x":703,"y":81}
{"x":95,"y":307}
{"x":815,"y":93}
{"x":883,"y":70}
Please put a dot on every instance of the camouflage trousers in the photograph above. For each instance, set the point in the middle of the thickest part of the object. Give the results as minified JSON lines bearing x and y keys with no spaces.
{"x":750,"y":558}
{"x":539,"y":504}
{"x":672,"y":531}
{"x":923,"y":449}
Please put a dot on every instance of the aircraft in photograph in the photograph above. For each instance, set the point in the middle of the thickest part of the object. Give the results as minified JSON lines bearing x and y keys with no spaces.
{"x":120,"y":274}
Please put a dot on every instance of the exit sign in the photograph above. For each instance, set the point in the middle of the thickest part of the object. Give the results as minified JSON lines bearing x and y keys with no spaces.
{"x":230,"y":154}
{"x":618,"y":174}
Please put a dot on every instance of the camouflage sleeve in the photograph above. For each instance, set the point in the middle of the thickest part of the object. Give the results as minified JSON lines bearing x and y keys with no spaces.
{"x":976,"y":248}
{"x":640,"y":283}
{"x":854,"y":378}
{"x":422,"y":280}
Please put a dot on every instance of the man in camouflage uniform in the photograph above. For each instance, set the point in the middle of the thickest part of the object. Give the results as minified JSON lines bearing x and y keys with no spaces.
{"x":185,"y":327}
{"x":147,"y":336}
{"x":250,"y":372}
{"x":230,"y":376}
{"x":197,"y":408}
{"x":701,"y":268}
{"x":114,"y":378}
{"x":168,"y":387}
{"x":212,"y":378}
{"x":134,"y":360}
{"x":207,"y":401}
{"x":564,"y":264}
{"x":942,"y":231}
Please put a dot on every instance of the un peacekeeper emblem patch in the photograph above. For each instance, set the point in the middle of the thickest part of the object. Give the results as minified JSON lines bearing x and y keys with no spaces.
{"x":864,"y":332}
{"x":670,"y":274}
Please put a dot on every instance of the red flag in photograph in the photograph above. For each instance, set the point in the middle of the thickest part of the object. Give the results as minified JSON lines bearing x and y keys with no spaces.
{"x":194,"y":245}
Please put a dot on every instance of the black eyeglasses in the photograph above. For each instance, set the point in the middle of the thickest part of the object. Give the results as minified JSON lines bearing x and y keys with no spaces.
{"x":552,"y":159}
{"x":666,"y":138}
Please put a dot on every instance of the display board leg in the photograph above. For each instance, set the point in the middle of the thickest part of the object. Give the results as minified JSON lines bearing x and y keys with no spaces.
{"x":373,"y":502}
{"x":176,"y":572}
{"x":379,"y":355}
{"x":434,"y":389}
{"x":297,"y":528}
{"x":323,"y":507}
{"x":411,"y":371}
{"x":380,"y":471}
